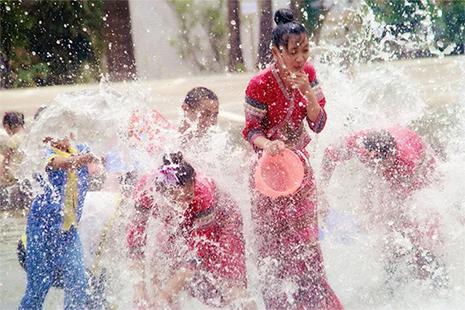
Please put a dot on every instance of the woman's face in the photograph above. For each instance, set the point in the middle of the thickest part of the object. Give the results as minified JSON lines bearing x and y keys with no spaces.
{"x":293,"y":57}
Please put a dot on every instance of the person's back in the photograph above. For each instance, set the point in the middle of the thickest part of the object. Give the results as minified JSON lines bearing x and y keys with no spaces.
{"x":399,"y":154}
{"x":415,"y":162}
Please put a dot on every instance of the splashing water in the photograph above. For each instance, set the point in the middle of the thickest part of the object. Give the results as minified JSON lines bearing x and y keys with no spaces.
{"x":371,"y":94}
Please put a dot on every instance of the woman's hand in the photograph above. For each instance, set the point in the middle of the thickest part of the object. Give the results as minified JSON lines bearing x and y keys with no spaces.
{"x":274,"y":147}
{"x":141,"y":297}
{"x":84,"y":159}
{"x":299,"y":80}
{"x":166,"y":295}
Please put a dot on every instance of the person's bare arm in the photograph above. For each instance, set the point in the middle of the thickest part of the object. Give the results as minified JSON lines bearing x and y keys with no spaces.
{"x":300,"y":80}
{"x":73,"y":162}
{"x":272,"y":147}
{"x":174,"y":286}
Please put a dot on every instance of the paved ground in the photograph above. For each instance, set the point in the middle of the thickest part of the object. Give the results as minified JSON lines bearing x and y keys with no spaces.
{"x":440,"y":80}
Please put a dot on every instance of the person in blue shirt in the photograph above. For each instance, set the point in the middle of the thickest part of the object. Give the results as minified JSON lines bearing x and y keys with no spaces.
{"x":53,"y":246}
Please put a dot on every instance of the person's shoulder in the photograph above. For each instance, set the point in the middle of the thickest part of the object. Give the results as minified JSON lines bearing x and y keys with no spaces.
{"x":143,"y":191}
{"x":356,"y":139}
{"x":261,"y":78}
{"x":205,"y":189}
{"x":403,"y":133}
{"x":260,"y":86}
{"x":203,"y":181}
{"x":144,"y":183}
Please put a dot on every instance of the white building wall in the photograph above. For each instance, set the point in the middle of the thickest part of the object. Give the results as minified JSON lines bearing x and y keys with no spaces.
{"x":154,"y":24}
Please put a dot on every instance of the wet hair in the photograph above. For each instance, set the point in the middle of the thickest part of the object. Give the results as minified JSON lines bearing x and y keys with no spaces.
{"x":382,"y":142}
{"x":197,"y":94}
{"x":184,"y":172}
{"x":13,"y":119}
{"x":286,"y":26}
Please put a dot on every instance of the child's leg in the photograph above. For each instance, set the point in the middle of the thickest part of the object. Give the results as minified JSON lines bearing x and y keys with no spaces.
{"x":74,"y":276}
{"x":41,"y":268}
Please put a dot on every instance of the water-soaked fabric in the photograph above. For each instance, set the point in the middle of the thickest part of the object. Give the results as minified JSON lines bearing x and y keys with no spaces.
{"x":413,"y":168}
{"x":208,"y":239}
{"x":52,"y":248}
{"x":290,"y":261}
{"x":48,"y":253}
{"x":414,"y":163}
{"x":273,"y":112}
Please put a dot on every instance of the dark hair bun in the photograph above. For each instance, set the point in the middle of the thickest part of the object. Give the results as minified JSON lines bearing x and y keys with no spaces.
{"x":173,"y":158}
{"x":283,"y":16}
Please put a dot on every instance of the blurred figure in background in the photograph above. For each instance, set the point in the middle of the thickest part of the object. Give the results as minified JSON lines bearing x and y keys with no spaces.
{"x":14,"y":193}
{"x":201,"y":107}
{"x":200,"y":113}
{"x":405,"y":164}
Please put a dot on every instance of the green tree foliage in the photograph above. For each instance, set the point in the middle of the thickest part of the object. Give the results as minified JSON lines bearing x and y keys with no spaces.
{"x":314,"y":13}
{"x":402,"y":16}
{"x":197,"y":18}
{"x":50,"y":42}
{"x":403,"y":19}
{"x":451,"y":24}
{"x":406,"y":16}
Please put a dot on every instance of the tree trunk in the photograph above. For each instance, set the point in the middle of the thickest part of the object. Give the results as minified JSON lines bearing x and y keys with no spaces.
{"x":296,"y":7}
{"x":5,"y":71}
{"x":266,"y":27}
{"x":321,"y":19}
{"x":236,"y":61}
{"x":120,"y":49}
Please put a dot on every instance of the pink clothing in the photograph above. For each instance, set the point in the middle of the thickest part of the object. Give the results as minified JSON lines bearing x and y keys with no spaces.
{"x":413,"y":166}
{"x":147,"y":129}
{"x":212,"y":230}
{"x":286,"y":228}
{"x":289,"y":253}
{"x":412,"y":169}
{"x":275,"y":114}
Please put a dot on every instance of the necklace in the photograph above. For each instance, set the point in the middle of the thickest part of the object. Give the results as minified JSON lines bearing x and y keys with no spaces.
{"x":283,"y":89}
{"x":287,"y":120}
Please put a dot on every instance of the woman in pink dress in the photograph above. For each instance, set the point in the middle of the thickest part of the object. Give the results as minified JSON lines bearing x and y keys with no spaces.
{"x":279,"y":101}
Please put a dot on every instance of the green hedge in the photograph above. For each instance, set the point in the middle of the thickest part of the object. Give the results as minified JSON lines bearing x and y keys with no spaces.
{"x":50,"y":42}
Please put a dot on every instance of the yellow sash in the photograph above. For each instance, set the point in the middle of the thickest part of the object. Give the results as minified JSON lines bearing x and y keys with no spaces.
{"x":71,"y":190}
